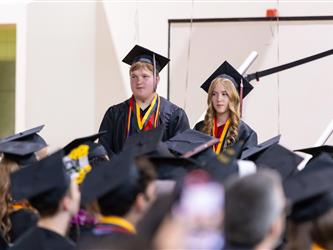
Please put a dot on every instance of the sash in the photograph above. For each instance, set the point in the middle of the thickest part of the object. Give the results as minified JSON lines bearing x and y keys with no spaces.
{"x":217,"y":148}
{"x":135,"y":121}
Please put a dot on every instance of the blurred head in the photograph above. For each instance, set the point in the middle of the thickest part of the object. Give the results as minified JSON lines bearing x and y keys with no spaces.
{"x":65,"y":200}
{"x":142,"y":81}
{"x":133,"y":195}
{"x":254,"y":210}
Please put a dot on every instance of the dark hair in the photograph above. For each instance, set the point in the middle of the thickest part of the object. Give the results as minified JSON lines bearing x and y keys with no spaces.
{"x":322,"y":230}
{"x":251,"y":207}
{"x":120,"y":200}
{"x":47,"y":203}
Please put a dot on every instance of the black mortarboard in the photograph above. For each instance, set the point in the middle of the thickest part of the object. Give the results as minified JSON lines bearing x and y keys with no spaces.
{"x":148,"y":143}
{"x":106,"y":176}
{"x":44,"y":176}
{"x":190,"y":141}
{"x":229,"y":72}
{"x":142,"y":54}
{"x":252,"y":153}
{"x":22,"y":146}
{"x":27,"y":135}
{"x":279,"y":158}
{"x":172,"y":167}
{"x":315,"y":151}
{"x":309,"y":191}
{"x":220,"y":167}
{"x":82,"y":140}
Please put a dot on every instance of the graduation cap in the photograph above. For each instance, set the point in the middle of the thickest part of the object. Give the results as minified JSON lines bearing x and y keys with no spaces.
{"x":141,"y":54}
{"x":253,"y":152}
{"x":315,"y":151}
{"x":221,"y":167}
{"x":27,"y":135}
{"x":280,"y":159}
{"x":190,"y":142}
{"x":147,"y":143}
{"x":21,"y":147}
{"x":227,"y":71}
{"x":82,"y":140}
{"x":106,"y":176}
{"x":172,"y":168}
{"x":311,"y":191}
{"x":43,"y":177}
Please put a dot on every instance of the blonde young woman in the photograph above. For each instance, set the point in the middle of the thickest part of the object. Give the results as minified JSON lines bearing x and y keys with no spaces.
{"x":222,"y":119}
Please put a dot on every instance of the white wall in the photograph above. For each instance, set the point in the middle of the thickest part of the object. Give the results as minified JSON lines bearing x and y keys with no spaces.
{"x":60,"y":82}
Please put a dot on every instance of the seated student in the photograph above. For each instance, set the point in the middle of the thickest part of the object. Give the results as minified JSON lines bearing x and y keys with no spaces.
{"x":310,"y":191}
{"x":56,"y":197}
{"x":145,"y":109}
{"x":18,"y":150}
{"x":222,"y":119}
{"x":254,"y":211}
{"x":124,"y":189}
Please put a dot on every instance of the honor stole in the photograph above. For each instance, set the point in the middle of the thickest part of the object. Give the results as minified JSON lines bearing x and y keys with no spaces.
{"x":148,"y":121}
{"x":217,"y":148}
{"x":113,"y":224}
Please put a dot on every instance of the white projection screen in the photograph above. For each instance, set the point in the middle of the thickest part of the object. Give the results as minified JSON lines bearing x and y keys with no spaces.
{"x":297,"y":103}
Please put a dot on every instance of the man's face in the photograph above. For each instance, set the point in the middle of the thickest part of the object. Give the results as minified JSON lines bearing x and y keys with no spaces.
{"x":142,"y":84}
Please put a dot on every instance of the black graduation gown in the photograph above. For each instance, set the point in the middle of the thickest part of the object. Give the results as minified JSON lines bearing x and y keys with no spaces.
{"x":22,"y":220}
{"x":3,"y":243}
{"x":245,"y":134}
{"x":110,"y":240}
{"x":115,"y":123}
{"x":38,"y":238}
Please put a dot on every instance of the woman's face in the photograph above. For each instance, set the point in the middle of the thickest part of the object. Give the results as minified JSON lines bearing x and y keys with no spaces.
{"x":142,"y":84}
{"x":220,"y":99}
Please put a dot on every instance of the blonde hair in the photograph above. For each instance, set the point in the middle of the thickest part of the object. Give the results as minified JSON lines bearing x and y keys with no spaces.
{"x":7,"y":166}
{"x":234,"y":109}
{"x":144,"y":65}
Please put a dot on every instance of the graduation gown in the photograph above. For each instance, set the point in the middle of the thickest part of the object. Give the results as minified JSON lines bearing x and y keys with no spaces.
{"x":105,"y":236}
{"x":3,"y":242}
{"x":245,"y":134}
{"x":114,"y":122}
{"x":22,"y":220}
{"x":38,"y":238}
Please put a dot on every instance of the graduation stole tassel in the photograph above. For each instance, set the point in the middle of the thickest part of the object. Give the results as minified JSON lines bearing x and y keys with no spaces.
{"x":217,"y":148}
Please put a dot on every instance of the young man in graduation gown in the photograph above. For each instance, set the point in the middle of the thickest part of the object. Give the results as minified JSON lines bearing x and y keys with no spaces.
{"x":145,"y":109}
{"x":56,"y":196}
{"x":124,"y":189}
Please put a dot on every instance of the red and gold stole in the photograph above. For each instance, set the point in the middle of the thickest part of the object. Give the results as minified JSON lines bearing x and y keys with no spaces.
{"x":117,"y":221}
{"x":148,"y":121}
{"x":217,"y":148}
